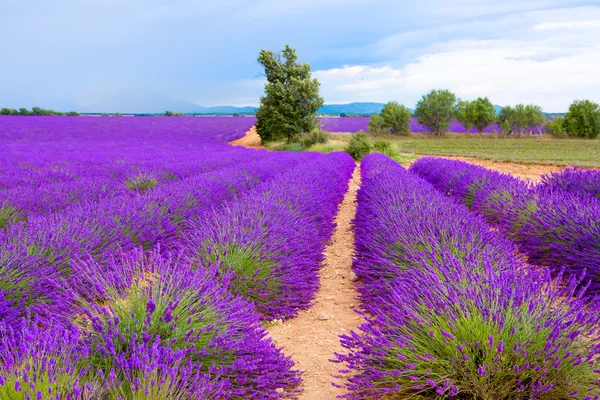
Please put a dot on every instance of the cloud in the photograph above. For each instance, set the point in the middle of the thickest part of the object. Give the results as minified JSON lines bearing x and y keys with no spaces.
{"x":550,"y":69}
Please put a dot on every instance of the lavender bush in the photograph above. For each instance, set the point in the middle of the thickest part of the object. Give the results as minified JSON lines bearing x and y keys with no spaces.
{"x":554,"y":228}
{"x":574,"y":180}
{"x":456,"y":313}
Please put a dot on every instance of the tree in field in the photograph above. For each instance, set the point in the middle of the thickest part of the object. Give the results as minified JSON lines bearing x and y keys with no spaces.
{"x":522,"y":117}
{"x":291,"y":100}
{"x":8,"y":111}
{"x":396,"y":117}
{"x":464,"y":114}
{"x":535,"y":117}
{"x":583,"y":119}
{"x":556,"y":127}
{"x":436,"y":109}
{"x":483,"y":113}
{"x":23,"y":111}
{"x":377,"y":124}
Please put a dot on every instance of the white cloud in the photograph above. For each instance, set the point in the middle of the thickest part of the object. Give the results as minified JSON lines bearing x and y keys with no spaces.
{"x":547,"y":66}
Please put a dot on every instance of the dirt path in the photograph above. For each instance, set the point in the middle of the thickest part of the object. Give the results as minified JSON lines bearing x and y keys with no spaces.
{"x":312,"y":337}
{"x":250,"y":140}
{"x":530,"y":172}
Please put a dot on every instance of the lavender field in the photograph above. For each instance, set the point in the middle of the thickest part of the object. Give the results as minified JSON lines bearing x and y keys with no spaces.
{"x":145,"y":258}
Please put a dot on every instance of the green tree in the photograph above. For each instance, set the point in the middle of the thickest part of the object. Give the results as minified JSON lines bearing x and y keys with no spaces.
{"x":464,"y":114}
{"x":291,"y":100}
{"x":556,"y":127}
{"x":436,"y":109}
{"x":396,"y":117}
{"x":535,"y":117}
{"x":8,"y":111}
{"x":377,"y":124}
{"x":506,"y":127}
{"x":72,"y":114}
{"x":37,"y":111}
{"x":23,"y":111}
{"x":583,"y":119}
{"x":483,"y":113}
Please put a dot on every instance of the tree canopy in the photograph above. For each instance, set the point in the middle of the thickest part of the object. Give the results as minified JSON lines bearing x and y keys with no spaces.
{"x":583,"y":119}
{"x":396,"y":118}
{"x":291,"y":100}
{"x":436,"y":109}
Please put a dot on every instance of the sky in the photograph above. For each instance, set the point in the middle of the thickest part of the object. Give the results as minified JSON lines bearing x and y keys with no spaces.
{"x":73,"y":53}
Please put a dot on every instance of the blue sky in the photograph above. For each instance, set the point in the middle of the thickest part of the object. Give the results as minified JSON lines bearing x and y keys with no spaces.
{"x":75,"y":52}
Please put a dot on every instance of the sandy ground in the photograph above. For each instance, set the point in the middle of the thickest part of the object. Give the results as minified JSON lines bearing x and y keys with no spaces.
{"x":250,"y":140}
{"x":530,"y":172}
{"x":312,"y":337}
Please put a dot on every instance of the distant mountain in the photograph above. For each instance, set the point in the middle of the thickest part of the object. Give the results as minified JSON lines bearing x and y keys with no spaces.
{"x":134,"y":102}
{"x":351,"y":108}
{"x":498,"y":109}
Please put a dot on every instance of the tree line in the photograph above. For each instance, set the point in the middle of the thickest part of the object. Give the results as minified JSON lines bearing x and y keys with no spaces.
{"x":37,"y":111}
{"x":437,"y":109}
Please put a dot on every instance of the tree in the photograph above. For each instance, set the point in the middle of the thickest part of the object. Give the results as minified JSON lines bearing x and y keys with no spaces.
{"x":522,"y":117}
{"x":556,"y":127}
{"x":396,"y":117}
{"x":23,"y":111}
{"x":583,"y":119}
{"x":483,"y":113}
{"x":36,"y":111}
{"x":377,"y":124}
{"x":506,"y":127}
{"x":535,"y":117}
{"x":173,"y":114}
{"x":291,"y":100}
{"x":72,"y":114}
{"x":436,"y":109}
{"x":8,"y":111}
{"x":464,"y":114}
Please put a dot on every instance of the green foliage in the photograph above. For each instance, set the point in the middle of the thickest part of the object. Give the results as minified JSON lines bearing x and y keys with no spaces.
{"x":522,"y":117}
{"x":291,"y":100}
{"x":464,"y":114}
{"x":506,"y":127}
{"x":173,"y":114}
{"x":482,"y":113}
{"x":36,"y":111}
{"x":436,"y":109}
{"x":73,"y":114}
{"x":396,"y":117}
{"x":377,"y":124}
{"x":117,"y":115}
{"x":477,"y":354}
{"x":359,"y":146}
{"x":316,"y":136}
{"x":8,"y":111}
{"x":556,"y":127}
{"x":583,"y":119}
{"x":105,"y":115}
{"x":141,"y":182}
{"x":385,"y":147}
{"x":9,"y":215}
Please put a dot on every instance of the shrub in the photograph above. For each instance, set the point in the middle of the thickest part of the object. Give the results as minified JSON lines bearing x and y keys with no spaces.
{"x":396,"y":118}
{"x":359,"y":146}
{"x":316,"y":136}
{"x":377,"y":124}
{"x":583,"y":119}
{"x":556,"y":127}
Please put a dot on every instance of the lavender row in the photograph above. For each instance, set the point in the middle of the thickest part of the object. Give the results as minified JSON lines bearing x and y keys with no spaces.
{"x":36,"y":256}
{"x":574,"y":180}
{"x":97,"y":184}
{"x":273,"y":238}
{"x":165,"y":328}
{"x":456,"y":313}
{"x":557,"y":229}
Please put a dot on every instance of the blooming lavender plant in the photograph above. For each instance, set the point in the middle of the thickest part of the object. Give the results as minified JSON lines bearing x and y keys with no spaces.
{"x":554,"y":228}
{"x":456,"y":314}
{"x":574,"y":180}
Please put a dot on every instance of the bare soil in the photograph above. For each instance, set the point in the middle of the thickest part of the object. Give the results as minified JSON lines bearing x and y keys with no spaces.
{"x":530,"y":172}
{"x":250,"y":140}
{"x":312,"y":337}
